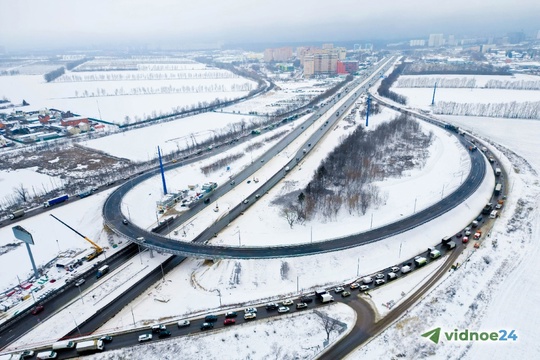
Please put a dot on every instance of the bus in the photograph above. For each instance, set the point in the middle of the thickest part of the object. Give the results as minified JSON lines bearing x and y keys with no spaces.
{"x":102,"y":271}
{"x":498,"y":189}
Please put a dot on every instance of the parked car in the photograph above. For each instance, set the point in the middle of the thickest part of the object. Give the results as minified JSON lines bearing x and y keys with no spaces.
{"x":272,"y":306}
{"x":229,"y":321}
{"x":250,"y":316}
{"x":183,"y":323}
{"x":125,"y":222}
{"x":364,"y":287}
{"x":301,"y":305}
{"x":287,"y":302}
{"x":355,"y":285}
{"x":458,"y":235}
{"x":467,"y":231}
{"x":339,"y":289}
{"x":79,"y":282}
{"x":306,"y":299}
{"x":283,"y":309}
{"x":379,"y":282}
{"x":465,"y":239}
{"x":145,"y":337}
{"x":345,"y":293}
{"x":246,"y":201}
{"x":394,"y":269}
{"x":379,"y":276}
{"x":231,"y":314}
{"x":207,"y":326}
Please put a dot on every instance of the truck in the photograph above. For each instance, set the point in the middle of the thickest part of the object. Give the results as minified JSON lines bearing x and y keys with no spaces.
{"x":46,"y":355}
{"x":17,"y":214}
{"x":56,"y":200}
{"x":85,"y":193}
{"x":497,"y":171}
{"x":498,"y":189}
{"x":90,"y":345}
{"x":102,"y":271}
{"x":63,"y":345}
{"x":326,"y":298}
{"x":420,"y":261}
{"x":433,"y":254}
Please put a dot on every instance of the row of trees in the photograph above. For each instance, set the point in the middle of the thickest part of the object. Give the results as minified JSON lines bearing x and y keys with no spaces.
{"x":137,"y":76}
{"x":476,"y":68}
{"x":55,"y":74}
{"x":429,"y":82}
{"x":513,"y":110}
{"x":148,"y":90}
{"x":386,"y":84}
{"x":513,"y":85}
{"x":344,"y":180}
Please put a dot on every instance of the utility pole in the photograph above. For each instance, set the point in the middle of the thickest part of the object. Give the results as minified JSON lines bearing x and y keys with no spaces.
{"x":414,"y":211}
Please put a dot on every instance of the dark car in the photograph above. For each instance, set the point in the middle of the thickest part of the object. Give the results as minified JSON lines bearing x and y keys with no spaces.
{"x":164,"y":334}
{"x":210,"y":318}
{"x":272,"y":306}
{"x":106,"y":338}
{"x":231,"y":314}
{"x":207,"y":326}
{"x":38,"y":309}
{"x":479,"y":218}
{"x":306,"y":299}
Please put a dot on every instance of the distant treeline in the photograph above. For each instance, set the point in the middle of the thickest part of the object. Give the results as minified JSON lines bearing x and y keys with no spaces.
{"x":55,"y":74}
{"x":384,"y":88}
{"x":420,"y":68}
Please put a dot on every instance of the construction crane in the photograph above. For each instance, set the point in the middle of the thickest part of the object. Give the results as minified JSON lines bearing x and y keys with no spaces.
{"x":97,"y":249}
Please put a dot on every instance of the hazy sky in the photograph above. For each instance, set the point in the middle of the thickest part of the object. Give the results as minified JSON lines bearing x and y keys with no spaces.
{"x":27,"y":24}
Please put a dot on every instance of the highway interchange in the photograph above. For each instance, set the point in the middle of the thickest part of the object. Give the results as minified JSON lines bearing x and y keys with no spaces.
{"x":198,"y":248}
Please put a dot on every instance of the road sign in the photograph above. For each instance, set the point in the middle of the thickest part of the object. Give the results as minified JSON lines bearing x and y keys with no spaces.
{"x":23,"y":235}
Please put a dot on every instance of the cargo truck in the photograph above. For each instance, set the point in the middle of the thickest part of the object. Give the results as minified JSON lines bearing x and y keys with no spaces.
{"x":90,"y":345}
{"x":497,"y":171}
{"x":17,"y":214}
{"x":326,"y":298}
{"x":55,"y":201}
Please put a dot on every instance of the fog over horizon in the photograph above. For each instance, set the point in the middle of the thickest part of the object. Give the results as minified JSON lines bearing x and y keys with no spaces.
{"x":34,"y":24}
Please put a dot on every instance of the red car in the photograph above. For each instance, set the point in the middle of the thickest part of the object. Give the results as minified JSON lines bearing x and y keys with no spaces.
{"x":465,"y":239}
{"x":229,"y":322}
{"x":38,"y":309}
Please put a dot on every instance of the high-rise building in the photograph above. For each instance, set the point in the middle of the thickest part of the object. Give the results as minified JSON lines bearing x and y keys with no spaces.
{"x":435,"y":40}
{"x":327,"y":46}
{"x":309,"y":65}
{"x":451,"y":40}
{"x":278,"y":54}
{"x":419,"y":42}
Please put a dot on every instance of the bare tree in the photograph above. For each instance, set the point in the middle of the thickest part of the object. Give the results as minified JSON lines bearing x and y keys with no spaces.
{"x":290,"y":214}
{"x":329,"y":324}
{"x":21,"y":192}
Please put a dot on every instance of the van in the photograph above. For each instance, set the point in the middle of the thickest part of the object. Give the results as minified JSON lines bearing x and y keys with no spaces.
{"x":433,"y":254}
{"x":493,"y":214}
{"x":46,"y":355}
{"x":446,"y":239}
{"x":62,"y":345}
{"x":367,"y":280}
{"x":405,"y":269}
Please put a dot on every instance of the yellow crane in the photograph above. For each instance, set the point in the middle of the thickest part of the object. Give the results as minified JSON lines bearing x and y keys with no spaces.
{"x":98,"y":250}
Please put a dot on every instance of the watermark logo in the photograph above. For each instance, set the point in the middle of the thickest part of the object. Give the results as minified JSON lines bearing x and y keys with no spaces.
{"x":433,"y":335}
{"x":466,"y":335}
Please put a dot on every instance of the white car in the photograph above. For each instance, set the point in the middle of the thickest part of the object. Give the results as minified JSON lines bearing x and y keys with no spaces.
{"x":379,"y":276}
{"x":249,"y":316}
{"x":355,"y":285}
{"x":79,"y":282}
{"x":287,"y":302}
{"x":379,"y":282}
{"x":364,"y":287}
{"x":339,"y":289}
{"x":145,"y":337}
{"x":394,"y":269}
{"x":467,"y":231}
{"x":283,"y":309}
{"x":250,"y":310}
{"x":183,"y":323}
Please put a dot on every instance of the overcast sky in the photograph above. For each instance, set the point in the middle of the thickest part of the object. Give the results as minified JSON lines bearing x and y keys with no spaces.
{"x":27,"y":24}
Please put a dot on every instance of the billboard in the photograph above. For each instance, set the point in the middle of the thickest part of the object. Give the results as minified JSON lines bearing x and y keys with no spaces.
{"x":23,"y":235}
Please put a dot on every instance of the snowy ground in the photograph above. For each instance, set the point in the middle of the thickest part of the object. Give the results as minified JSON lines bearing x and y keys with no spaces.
{"x":32,"y":180}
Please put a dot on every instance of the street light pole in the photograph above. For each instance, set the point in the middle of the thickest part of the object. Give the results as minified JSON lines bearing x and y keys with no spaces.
{"x":76,"y":325}
{"x":140,"y":256}
{"x":358,"y":268}
{"x":414,"y":211}
{"x":133,"y":315}
{"x":162,"y":272}
{"x":58,"y":244}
